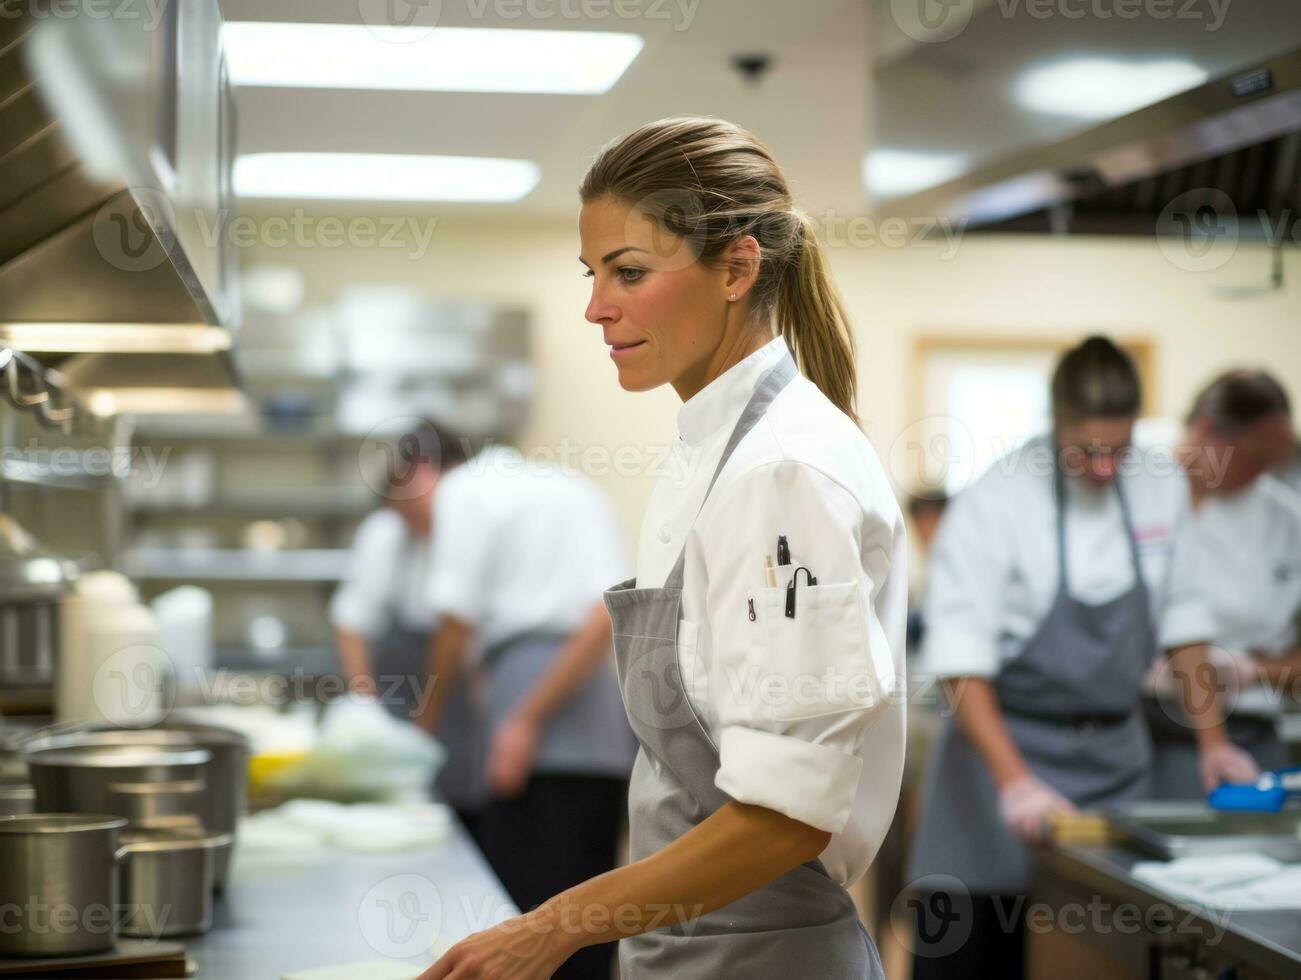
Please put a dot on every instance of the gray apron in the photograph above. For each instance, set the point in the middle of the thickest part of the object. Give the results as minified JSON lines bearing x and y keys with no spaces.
{"x":587,"y":736}
{"x":801,"y":924}
{"x":1070,"y":702}
{"x":401,"y":658}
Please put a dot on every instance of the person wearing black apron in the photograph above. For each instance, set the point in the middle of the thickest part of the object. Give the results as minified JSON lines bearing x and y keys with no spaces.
{"x":760,"y":644}
{"x":383,"y":620}
{"x":1044,"y":665}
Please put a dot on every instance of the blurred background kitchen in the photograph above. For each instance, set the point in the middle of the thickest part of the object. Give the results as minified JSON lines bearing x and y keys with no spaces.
{"x":246,"y":246}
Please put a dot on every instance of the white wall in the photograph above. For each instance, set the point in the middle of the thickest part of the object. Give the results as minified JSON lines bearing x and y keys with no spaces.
{"x":1017,"y":285}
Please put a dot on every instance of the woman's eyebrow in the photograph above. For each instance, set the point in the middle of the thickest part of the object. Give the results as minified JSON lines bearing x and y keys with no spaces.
{"x":614,"y":255}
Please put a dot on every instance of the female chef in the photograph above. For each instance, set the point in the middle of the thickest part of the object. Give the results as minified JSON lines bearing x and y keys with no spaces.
{"x":767,"y":708}
{"x":1054,"y":580}
{"x":1248,"y":525}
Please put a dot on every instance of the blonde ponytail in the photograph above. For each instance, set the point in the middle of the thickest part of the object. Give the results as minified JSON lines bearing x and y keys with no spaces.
{"x":811,"y":316}
{"x":711,"y":182}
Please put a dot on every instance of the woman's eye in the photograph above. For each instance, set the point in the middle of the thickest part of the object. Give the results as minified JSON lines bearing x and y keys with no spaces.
{"x":588,"y":274}
{"x":630,"y":274}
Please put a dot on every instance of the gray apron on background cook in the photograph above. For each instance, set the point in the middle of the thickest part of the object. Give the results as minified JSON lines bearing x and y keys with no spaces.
{"x":802,"y":924}
{"x":401,"y":658}
{"x":1070,"y":702}
{"x":587,"y":736}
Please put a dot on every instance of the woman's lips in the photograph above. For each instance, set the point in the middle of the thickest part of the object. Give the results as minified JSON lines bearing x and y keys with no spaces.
{"x":622,"y":350}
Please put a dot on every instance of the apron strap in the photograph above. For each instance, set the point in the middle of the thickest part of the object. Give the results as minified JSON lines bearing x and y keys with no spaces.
{"x":770,"y":385}
{"x":1059,"y":492}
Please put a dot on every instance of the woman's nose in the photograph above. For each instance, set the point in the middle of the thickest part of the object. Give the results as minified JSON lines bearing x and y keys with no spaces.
{"x":600,"y":311}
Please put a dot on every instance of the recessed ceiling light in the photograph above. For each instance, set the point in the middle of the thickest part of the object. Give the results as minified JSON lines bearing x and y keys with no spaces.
{"x":1101,"y":88}
{"x":890,"y":172}
{"x":448,"y":59}
{"x":383,"y":177}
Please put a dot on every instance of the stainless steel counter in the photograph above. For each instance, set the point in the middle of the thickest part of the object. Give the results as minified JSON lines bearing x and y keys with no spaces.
{"x":1252,"y":943}
{"x":348,"y":908}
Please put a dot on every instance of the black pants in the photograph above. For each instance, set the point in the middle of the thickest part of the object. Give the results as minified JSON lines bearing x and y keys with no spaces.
{"x":560,"y":831}
{"x":960,"y":937}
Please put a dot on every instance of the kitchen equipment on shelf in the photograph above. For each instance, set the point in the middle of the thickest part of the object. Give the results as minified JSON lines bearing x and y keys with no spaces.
{"x":114,"y":669}
{"x":34,"y":583}
{"x":65,"y":861}
{"x":184,"y":618}
{"x":167,"y":881}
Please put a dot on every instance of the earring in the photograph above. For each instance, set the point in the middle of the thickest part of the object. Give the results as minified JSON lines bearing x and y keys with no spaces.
{"x":731,"y":296}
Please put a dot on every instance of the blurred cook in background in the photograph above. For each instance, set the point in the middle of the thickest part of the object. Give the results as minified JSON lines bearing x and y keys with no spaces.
{"x":1054,"y":580}
{"x":522,"y":554}
{"x":925,"y":510}
{"x":1248,"y":525}
{"x":382,"y":616}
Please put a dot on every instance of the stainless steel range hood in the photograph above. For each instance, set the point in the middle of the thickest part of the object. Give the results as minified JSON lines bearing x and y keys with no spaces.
{"x":116,"y":150}
{"x":1253,"y":107}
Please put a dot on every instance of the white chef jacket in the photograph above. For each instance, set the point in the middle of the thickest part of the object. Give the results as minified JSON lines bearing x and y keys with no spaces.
{"x":1251,"y":547}
{"x":520,"y":546}
{"x":807,"y":713}
{"x":1290,"y":472}
{"x":387,"y":577}
{"x":994,"y":565}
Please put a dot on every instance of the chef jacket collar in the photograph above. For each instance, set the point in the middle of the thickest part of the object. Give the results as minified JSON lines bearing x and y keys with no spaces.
{"x":721,"y":402}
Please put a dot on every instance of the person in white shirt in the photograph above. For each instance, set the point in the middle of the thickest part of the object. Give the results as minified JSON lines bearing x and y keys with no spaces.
{"x":1055,"y":579}
{"x":523,"y":550}
{"x":1248,"y":525}
{"x":761,"y":676}
{"x":383,"y":618}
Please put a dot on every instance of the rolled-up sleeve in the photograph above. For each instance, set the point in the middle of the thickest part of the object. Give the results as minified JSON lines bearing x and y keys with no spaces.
{"x":1184,"y":616}
{"x":792,"y":696}
{"x":361,"y":602}
{"x":970,"y":565}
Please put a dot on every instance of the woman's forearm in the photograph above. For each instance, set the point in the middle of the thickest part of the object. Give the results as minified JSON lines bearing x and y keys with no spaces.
{"x":735,"y":851}
{"x":354,"y":659}
{"x":1278,"y":672}
{"x":975,"y":707}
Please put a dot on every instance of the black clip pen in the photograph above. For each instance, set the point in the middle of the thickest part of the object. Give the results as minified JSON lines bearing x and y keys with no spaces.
{"x":790,"y":590}
{"x":783,"y":550}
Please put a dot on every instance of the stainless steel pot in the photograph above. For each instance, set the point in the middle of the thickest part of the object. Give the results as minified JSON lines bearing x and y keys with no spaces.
{"x":16,"y":798}
{"x":77,"y":777}
{"x":167,"y":881}
{"x":226,"y":776}
{"x":151,"y":805}
{"x":59,"y":887}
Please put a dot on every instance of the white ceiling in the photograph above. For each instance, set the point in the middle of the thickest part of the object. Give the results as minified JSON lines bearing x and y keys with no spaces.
{"x":817,"y":108}
{"x":811,"y":108}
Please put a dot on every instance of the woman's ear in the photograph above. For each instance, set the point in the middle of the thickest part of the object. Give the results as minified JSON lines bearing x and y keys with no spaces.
{"x":741,"y":260}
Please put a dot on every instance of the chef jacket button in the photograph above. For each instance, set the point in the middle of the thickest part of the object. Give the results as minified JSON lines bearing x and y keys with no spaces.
{"x":665,"y":534}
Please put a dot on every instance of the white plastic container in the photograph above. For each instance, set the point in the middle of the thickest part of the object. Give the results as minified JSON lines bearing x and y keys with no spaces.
{"x":112,"y":666}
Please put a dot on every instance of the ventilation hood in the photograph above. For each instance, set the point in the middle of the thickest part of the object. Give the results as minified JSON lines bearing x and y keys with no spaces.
{"x":1237,"y":135}
{"x":116,"y":150}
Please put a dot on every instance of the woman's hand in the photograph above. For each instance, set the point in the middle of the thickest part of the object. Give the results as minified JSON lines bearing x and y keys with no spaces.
{"x":1223,"y":762}
{"x":1026,"y":804}
{"x":510,"y":759}
{"x":527,"y":947}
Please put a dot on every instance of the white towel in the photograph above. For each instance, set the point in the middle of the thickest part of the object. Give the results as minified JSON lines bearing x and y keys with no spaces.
{"x":1229,"y":881}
